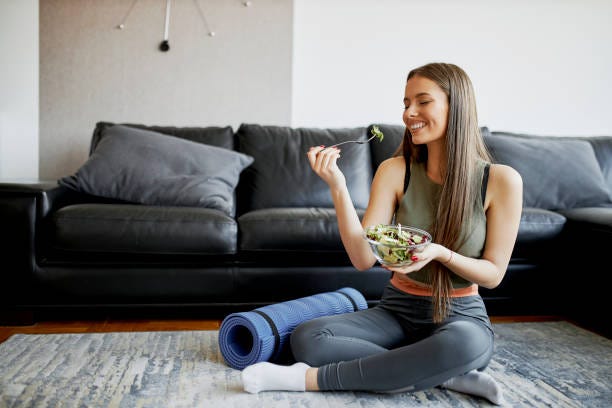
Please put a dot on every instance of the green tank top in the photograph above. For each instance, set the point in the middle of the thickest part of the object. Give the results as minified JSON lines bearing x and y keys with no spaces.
{"x":417,"y":209}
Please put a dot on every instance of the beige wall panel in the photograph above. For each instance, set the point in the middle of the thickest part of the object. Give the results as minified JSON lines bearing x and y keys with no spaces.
{"x":91,"y":71}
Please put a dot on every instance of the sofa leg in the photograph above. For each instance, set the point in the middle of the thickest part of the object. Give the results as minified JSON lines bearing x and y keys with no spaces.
{"x":16,"y":318}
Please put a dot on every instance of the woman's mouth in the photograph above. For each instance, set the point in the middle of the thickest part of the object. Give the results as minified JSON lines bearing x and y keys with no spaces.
{"x":415,"y":127}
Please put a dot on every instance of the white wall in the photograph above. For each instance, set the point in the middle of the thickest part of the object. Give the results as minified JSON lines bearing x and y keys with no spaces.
{"x":541,"y":67}
{"x":18,"y":89}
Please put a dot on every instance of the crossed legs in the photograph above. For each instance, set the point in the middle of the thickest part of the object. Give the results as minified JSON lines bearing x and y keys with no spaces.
{"x":366,"y":351}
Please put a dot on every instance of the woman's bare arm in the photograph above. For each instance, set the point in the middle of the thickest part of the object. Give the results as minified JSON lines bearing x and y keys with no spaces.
{"x":381,"y":205}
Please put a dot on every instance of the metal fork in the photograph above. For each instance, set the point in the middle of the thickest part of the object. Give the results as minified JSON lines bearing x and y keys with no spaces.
{"x":351,"y":141}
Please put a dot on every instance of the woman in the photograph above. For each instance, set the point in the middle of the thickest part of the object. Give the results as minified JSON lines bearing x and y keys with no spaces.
{"x":431,"y":327}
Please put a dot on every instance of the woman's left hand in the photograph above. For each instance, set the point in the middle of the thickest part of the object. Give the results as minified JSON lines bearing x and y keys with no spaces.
{"x":421,"y":258}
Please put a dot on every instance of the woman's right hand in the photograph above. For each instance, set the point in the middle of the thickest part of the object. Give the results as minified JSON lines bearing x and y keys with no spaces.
{"x":323,"y":162}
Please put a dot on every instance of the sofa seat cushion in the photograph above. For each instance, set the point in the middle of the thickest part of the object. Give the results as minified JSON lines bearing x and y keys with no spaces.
{"x":143,"y":229}
{"x":593,"y":217}
{"x":539,"y":233}
{"x":273,"y":229}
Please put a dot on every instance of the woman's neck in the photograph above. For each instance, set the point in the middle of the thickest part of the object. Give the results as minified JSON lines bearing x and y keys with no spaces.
{"x":436,"y":163}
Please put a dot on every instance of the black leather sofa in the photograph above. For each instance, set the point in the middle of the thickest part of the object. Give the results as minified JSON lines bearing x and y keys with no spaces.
{"x":67,"y":253}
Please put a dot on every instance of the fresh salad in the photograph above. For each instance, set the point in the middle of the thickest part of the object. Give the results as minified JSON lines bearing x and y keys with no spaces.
{"x":394,"y":244}
{"x":377,"y":133}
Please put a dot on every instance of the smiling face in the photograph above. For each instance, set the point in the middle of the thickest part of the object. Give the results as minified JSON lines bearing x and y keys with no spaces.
{"x":425,"y":110}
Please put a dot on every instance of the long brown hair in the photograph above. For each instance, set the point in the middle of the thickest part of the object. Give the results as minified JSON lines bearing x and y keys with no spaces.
{"x":464,"y":147}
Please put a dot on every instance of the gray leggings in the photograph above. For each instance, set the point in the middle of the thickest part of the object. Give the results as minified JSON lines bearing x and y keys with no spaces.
{"x":395,"y":346}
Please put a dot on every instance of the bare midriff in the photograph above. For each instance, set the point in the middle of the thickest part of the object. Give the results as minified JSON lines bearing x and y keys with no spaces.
{"x":413,"y":287}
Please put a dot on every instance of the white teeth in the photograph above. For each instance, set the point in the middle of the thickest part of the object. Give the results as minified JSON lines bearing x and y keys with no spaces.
{"x":417,"y":125}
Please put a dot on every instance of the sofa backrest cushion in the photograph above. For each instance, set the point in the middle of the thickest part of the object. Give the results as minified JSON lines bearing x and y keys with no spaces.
{"x":211,"y":135}
{"x":558,"y":172}
{"x":393,"y":137}
{"x":602,"y":145}
{"x":281,"y":176}
{"x":151,"y":168}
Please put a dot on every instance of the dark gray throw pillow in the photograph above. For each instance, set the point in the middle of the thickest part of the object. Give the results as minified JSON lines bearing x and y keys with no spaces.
{"x":151,"y":168}
{"x":558,"y":173}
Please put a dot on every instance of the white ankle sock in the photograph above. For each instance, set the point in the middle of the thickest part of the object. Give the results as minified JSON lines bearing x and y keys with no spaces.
{"x":477,"y":383}
{"x":266,"y":376}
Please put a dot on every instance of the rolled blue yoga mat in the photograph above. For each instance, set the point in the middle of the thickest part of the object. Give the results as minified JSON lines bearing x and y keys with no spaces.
{"x":262,"y":334}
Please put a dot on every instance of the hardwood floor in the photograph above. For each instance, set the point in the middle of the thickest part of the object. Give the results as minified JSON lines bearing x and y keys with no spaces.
{"x":108,"y":326}
{"x":105,"y":326}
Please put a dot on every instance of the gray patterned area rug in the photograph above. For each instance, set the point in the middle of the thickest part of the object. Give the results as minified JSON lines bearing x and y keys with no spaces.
{"x":548,"y":364}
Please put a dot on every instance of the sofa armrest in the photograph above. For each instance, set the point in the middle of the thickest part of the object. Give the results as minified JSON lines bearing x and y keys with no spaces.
{"x":589,"y":231}
{"x":49,"y":195}
{"x":587,"y":242}
{"x":23,"y":207}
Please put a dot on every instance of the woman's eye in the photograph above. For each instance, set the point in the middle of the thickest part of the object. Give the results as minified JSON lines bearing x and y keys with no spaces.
{"x":424,"y":102}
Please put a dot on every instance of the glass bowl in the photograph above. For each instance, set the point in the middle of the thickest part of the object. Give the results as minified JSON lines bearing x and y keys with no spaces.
{"x":394,"y":245}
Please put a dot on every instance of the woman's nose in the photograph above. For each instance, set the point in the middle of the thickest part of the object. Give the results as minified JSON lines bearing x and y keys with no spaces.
{"x":411,"y":112}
